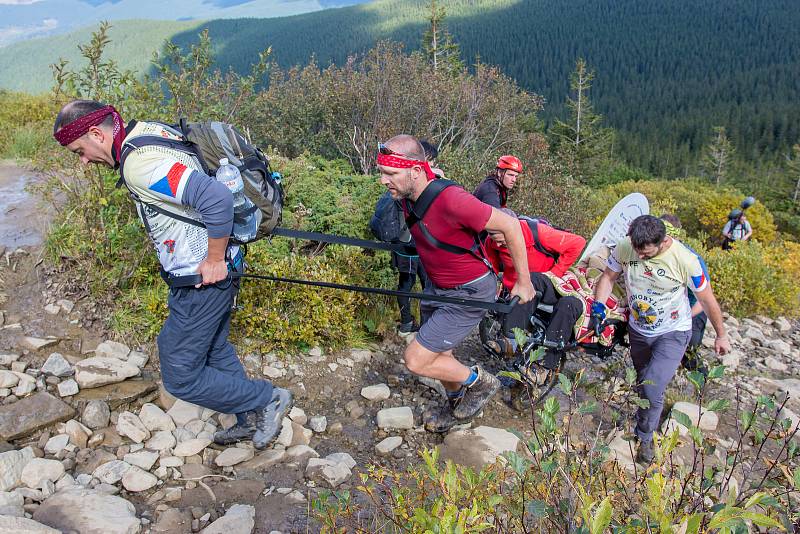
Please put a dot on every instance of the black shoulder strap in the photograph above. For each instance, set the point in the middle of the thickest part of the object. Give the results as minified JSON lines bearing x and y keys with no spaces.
{"x":533,"y":224}
{"x":150,"y":140}
{"x":417,"y":211}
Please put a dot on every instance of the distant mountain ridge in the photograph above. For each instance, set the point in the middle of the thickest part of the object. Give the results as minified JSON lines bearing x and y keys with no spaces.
{"x":667,"y":70}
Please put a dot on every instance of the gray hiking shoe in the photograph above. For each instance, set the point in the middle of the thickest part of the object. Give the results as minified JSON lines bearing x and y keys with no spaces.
{"x":477,"y":395}
{"x":645,"y":453}
{"x":439,"y":419}
{"x":235,"y":434}
{"x":270,"y":417}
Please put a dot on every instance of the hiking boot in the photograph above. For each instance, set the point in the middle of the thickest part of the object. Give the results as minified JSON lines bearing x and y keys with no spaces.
{"x":477,"y":394}
{"x":551,"y":359}
{"x":645,"y":452}
{"x":270,"y":417}
{"x":235,"y":434}
{"x":407,"y":328}
{"x":439,"y":419}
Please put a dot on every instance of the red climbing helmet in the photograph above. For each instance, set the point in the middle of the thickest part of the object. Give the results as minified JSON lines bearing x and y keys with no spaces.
{"x":509,"y":162}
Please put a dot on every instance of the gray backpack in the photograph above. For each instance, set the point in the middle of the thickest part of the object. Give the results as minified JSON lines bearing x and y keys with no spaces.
{"x":211,"y":141}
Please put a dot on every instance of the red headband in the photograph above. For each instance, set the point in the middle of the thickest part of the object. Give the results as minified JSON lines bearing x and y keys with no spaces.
{"x":402,"y":163}
{"x":80,"y":127}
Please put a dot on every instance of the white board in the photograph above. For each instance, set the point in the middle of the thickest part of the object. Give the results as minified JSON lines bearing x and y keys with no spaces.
{"x":615,"y":225}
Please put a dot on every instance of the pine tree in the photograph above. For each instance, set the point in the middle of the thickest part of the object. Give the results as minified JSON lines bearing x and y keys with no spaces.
{"x":793,"y":167}
{"x":437,"y":43}
{"x":717,"y":157}
{"x":582,"y":142}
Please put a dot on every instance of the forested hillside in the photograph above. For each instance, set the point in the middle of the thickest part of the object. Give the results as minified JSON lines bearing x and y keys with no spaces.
{"x":667,"y":71}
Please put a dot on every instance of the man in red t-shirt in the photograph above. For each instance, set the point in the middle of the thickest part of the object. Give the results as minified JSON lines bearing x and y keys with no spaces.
{"x":455,"y":217}
{"x":566,"y":310}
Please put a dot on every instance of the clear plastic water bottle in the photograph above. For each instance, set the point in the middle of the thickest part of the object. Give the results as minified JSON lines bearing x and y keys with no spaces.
{"x":245,"y":219}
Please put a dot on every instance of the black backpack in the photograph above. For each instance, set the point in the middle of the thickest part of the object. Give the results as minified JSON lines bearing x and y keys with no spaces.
{"x":387,"y":223}
{"x":533,"y":224}
{"x":209,"y":142}
{"x":417,"y":210}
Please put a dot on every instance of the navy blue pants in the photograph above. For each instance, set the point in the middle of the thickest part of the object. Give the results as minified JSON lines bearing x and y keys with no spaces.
{"x":198,"y":363}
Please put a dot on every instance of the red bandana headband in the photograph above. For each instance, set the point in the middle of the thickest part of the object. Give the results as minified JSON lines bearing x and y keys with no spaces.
{"x":395,"y":162}
{"x":80,"y":127}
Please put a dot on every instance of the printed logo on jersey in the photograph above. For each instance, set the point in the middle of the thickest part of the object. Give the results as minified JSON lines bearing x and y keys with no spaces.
{"x":168,"y":185}
{"x":643,"y":313}
{"x":170,"y":244}
{"x":699,"y":281}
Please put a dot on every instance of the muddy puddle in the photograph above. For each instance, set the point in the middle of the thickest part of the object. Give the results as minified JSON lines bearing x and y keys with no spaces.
{"x":23,"y":218}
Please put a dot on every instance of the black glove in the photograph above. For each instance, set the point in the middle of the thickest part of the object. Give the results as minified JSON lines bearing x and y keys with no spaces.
{"x":597,"y":317}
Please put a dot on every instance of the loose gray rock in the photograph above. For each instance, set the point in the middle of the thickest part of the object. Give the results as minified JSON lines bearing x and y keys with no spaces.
{"x":39,"y":470}
{"x":8,"y":379}
{"x":342,"y":458}
{"x":96,"y":414}
{"x":161,"y":441}
{"x":318,"y":423}
{"x":239,"y":519}
{"x":129,"y":425}
{"x":479,"y":446}
{"x":143,"y":459}
{"x":99,"y":371}
{"x":154,"y":418}
{"x":22,"y":525}
{"x":322,"y":470}
{"x":88,"y":512}
{"x":7,"y":358}
{"x":378,"y":392}
{"x":66,"y":305}
{"x":191,"y":447}
{"x":183,"y":412}
{"x":67,"y":388}
{"x":139,"y":359}
{"x":36,"y":343}
{"x":11,"y":465}
{"x":396,"y":418}
{"x":708,"y":421}
{"x":57,"y":365}
{"x":78,"y":434}
{"x":112,"y":349}
{"x":389,"y":444}
{"x":232,"y":456}
{"x":56,"y":444}
{"x":111,"y":472}
{"x":136,"y":479}
{"x":11,"y":503}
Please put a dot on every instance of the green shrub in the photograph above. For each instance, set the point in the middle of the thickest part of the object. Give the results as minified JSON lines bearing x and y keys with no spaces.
{"x":566,"y":480}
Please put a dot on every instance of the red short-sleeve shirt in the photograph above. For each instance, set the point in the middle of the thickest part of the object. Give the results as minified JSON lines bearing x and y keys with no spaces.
{"x":455,"y":217}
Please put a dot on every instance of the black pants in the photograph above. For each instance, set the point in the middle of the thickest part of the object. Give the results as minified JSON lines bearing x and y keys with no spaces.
{"x":409,"y":269}
{"x":566,"y":311}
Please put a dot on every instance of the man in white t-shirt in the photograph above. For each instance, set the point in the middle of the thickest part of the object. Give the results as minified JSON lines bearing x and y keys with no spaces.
{"x":658,"y":271}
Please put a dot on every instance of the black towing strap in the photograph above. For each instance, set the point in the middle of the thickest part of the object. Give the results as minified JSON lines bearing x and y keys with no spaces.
{"x":192,"y":280}
{"x":342,"y":240}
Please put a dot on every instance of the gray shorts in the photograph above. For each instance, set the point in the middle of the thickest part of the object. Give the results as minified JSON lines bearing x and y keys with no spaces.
{"x":445,"y":325}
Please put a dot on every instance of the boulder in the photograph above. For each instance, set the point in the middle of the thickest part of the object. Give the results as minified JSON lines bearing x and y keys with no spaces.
{"x":378,"y":392}
{"x":479,"y":446}
{"x":232,"y":456}
{"x":300,"y":453}
{"x":56,"y":444}
{"x":782,"y":324}
{"x":99,"y":371}
{"x":620,"y":450}
{"x":37,"y":343}
{"x":396,"y":418}
{"x":239,"y":519}
{"x":21,"y":525}
{"x":8,"y":379}
{"x":775,"y":364}
{"x":39,"y":470}
{"x":139,"y":359}
{"x":112,"y":349}
{"x":7,"y":358}
{"x":779,"y":346}
{"x":78,"y":434}
{"x":11,"y":465}
{"x":342,"y":458}
{"x":129,"y":425}
{"x":298,"y":415}
{"x":154,"y":418}
{"x":264,"y":460}
{"x":88,"y":512}
{"x":57,"y":365}
{"x":322,"y":470}
{"x":11,"y":503}
{"x":136,"y":479}
{"x":753,"y":332}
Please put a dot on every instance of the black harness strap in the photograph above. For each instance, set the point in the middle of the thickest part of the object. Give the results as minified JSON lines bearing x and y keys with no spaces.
{"x":533,"y":224}
{"x":192,"y":280}
{"x":417,"y":210}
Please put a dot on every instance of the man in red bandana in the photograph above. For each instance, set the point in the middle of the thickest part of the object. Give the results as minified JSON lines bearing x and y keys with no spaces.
{"x":198,"y":363}
{"x":454,"y":218}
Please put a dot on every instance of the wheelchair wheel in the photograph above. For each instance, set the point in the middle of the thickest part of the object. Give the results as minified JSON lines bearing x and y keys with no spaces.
{"x":537,"y":383}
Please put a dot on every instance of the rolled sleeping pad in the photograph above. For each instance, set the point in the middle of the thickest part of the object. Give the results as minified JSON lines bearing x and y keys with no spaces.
{"x":747,"y":202}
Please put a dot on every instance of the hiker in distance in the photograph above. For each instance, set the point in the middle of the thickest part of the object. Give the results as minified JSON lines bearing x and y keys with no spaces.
{"x":198,"y":363}
{"x":445,"y":221}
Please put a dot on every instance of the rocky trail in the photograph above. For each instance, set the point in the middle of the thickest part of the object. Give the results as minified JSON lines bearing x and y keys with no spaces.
{"x":90,"y":443}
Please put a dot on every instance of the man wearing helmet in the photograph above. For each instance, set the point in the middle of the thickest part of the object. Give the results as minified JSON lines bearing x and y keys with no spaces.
{"x":494,"y":189}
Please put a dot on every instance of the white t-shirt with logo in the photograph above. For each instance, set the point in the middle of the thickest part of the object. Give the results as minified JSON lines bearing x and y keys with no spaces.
{"x":657,"y":288}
